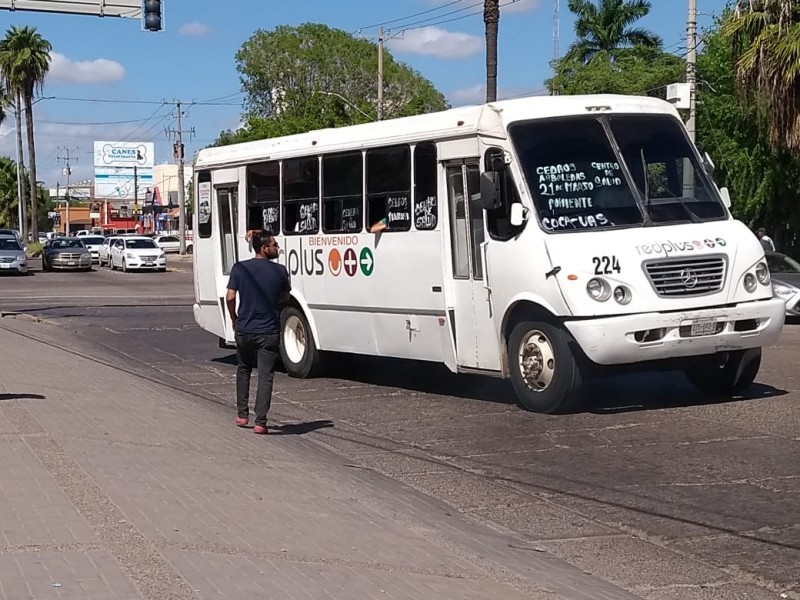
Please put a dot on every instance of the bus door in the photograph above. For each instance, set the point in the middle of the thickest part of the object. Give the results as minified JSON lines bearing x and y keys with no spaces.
{"x":470,"y":302}
{"x":226,"y":199}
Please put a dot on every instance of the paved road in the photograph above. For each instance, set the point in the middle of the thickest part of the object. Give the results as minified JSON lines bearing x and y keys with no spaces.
{"x":662,"y":491}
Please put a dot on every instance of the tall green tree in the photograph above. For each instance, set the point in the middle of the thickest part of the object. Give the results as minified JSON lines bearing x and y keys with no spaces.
{"x":25,"y":61}
{"x":765,"y":39}
{"x":605,"y":28}
{"x":764,"y":180}
{"x":491,"y":20}
{"x":8,"y":193}
{"x":313,"y":76}
{"x":640,"y":71}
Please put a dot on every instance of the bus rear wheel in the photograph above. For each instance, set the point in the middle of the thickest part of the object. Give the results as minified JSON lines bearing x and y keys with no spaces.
{"x":544,"y":372}
{"x":726,"y":373}
{"x":298,"y":350}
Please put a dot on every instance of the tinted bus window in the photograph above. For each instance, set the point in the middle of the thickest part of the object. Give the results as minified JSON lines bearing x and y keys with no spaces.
{"x":389,"y":187}
{"x":342,"y":193}
{"x":426,"y":201}
{"x":301,"y":195}
{"x":263,"y":197}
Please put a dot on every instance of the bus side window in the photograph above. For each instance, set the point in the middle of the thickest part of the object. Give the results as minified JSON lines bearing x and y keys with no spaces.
{"x":263,"y":197}
{"x":389,"y":188}
{"x":203,"y":209}
{"x":343,"y":193}
{"x":301,"y":195}
{"x":426,"y":202}
{"x":498,"y":220}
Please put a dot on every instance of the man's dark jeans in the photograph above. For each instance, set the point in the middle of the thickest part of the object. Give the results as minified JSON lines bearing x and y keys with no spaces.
{"x":255,"y":351}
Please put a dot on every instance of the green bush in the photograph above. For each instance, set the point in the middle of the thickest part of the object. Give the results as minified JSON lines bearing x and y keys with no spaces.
{"x":34,"y":249}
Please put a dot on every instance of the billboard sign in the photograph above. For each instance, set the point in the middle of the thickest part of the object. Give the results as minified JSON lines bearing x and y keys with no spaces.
{"x":117,"y":183}
{"x":124,"y":154}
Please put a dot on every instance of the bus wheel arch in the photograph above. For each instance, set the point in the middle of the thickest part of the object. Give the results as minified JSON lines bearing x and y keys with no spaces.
{"x":540,"y":358}
{"x":299,"y":351}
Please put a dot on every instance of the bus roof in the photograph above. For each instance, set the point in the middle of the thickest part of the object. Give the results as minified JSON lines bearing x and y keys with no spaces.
{"x":455,"y":122}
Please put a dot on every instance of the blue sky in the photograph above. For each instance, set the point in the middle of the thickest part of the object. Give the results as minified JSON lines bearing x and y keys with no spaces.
{"x":193,"y":60}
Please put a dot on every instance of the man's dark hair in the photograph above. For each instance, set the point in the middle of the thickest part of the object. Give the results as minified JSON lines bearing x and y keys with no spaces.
{"x":260,"y":238}
{"x":761,"y":230}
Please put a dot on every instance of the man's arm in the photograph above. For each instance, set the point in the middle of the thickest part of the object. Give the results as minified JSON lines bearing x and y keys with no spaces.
{"x":230,"y":300}
{"x":284,"y":296}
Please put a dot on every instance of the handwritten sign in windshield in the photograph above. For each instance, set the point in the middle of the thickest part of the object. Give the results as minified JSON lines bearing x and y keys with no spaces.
{"x":572,"y":194}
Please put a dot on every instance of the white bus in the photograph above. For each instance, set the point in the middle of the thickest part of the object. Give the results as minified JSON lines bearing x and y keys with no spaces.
{"x":538,"y":239}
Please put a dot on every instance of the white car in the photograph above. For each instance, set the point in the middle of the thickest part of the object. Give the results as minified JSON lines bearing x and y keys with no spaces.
{"x":104,"y":251}
{"x":93,"y":243}
{"x":137,"y":252}
{"x":168,"y":243}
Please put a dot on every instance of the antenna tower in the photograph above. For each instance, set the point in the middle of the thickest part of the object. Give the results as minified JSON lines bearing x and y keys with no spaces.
{"x":556,"y":28}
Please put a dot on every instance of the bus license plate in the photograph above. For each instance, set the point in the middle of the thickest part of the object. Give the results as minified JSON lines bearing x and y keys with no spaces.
{"x":701,"y":328}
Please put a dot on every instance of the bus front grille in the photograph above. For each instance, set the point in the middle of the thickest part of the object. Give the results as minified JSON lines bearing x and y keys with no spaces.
{"x":679,"y":277}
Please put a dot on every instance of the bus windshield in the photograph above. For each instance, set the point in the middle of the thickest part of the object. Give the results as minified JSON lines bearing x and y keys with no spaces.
{"x":613,"y":171}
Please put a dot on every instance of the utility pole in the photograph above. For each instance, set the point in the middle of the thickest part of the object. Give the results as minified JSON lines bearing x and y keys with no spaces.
{"x":136,"y":212}
{"x":691,"y":67}
{"x":178,"y":154}
{"x":23,"y":229}
{"x":67,"y":160}
{"x":380,"y":72}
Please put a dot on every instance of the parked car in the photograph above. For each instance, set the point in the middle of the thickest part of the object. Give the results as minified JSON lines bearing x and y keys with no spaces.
{"x":93,"y":243}
{"x":12,"y":255}
{"x":66,"y":253}
{"x":104,"y":251}
{"x":785,"y":272}
{"x":12,"y":233}
{"x":137,"y":252}
{"x":168,"y":243}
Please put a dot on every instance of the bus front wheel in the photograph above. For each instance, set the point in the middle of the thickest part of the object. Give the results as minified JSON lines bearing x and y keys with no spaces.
{"x":726,"y":373}
{"x":544,"y":372}
{"x":298,"y":350}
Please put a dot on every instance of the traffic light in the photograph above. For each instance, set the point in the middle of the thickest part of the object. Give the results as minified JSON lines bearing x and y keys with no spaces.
{"x":152,"y":15}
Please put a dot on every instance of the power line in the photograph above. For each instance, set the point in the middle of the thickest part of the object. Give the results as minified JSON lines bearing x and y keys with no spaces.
{"x":424,"y":12}
{"x":447,"y":14}
{"x":472,"y":14}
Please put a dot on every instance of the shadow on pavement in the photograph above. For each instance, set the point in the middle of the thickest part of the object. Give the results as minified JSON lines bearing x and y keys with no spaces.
{"x":300,"y":428}
{"x":21,"y":397}
{"x":617,"y":393}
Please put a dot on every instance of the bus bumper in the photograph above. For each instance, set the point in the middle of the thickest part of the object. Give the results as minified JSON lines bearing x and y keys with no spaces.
{"x":656,"y":336}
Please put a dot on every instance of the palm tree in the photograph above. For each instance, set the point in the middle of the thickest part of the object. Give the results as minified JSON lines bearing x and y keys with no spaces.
{"x":491,"y":19}
{"x":766,"y":46}
{"x":25,"y":61}
{"x":605,"y":29}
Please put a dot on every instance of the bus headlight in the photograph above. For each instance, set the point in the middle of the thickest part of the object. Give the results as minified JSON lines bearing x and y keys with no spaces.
{"x":762,"y":273}
{"x":622,"y":295}
{"x":598,"y":289}
{"x":750,"y":282}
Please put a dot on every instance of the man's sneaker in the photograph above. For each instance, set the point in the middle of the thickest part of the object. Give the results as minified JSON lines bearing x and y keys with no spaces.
{"x":242,"y":422}
{"x":260,"y":429}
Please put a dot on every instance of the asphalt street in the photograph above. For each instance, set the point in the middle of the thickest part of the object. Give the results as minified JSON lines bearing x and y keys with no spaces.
{"x":663,"y":491}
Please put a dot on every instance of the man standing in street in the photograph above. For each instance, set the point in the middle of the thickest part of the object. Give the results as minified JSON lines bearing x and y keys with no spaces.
{"x":263,"y":287}
{"x":766,"y":241}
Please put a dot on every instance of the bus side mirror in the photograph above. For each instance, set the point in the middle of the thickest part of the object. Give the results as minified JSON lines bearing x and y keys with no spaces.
{"x":518,"y":214}
{"x":726,"y":197}
{"x":490,"y":190}
{"x":709,"y":164}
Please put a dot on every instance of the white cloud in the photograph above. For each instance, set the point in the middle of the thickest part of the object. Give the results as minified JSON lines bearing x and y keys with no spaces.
{"x":516,"y":6}
{"x":432,"y":41}
{"x":194,"y":29}
{"x":99,"y":70}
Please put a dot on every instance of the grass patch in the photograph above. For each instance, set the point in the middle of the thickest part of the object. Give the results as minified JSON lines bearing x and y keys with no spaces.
{"x":34,"y":249}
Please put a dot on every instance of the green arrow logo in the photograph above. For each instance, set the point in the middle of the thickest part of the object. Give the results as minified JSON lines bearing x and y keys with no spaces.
{"x":366,"y":261}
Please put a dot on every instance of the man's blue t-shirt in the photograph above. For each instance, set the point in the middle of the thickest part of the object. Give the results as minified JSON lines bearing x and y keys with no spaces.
{"x":260,"y":284}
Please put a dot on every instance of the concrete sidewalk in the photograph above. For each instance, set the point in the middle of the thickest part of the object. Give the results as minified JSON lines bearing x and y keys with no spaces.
{"x":112,"y":486}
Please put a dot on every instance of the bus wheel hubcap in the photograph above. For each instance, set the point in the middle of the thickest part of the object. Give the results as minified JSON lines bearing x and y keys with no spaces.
{"x":536,"y":361}
{"x":294,"y":339}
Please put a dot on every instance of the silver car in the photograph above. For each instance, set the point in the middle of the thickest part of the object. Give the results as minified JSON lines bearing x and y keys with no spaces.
{"x":66,"y":253}
{"x":12,"y":256}
{"x":785,"y":272}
